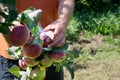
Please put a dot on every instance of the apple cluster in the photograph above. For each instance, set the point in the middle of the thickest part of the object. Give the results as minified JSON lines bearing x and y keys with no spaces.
{"x":28,"y":44}
{"x":20,"y":36}
{"x":33,"y":51}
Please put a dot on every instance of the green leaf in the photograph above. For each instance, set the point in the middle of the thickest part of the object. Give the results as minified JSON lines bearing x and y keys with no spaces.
{"x":12,"y":13}
{"x":58,"y":67}
{"x":30,"y":16}
{"x":34,"y":31}
{"x":60,"y":49}
{"x":37,"y":41}
{"x":14,"y":70}
{"x":70,"y":70}
{"x":9,"y":3}
{"x":3,"y":15}
{"x":9,"y":14}
{"x":39,"y":27}
{"x":32,"y":27}
{"x":35,"y":15}
{"x":15,"y":52}
{"x":24,"y":18}
{"x":4,"y":28}
{"x":21,"y":17}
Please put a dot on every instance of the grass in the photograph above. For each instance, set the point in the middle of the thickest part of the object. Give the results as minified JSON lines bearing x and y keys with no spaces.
{"x":99,"y":57}
{"x":108,"y":52}
{"x":103,"y":65}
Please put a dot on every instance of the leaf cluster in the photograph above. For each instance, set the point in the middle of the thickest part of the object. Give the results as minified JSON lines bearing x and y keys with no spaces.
{"x":9,"y":13}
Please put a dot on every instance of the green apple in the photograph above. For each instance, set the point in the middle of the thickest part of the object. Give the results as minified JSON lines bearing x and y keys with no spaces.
{"x":47,"y":61}
{"x":38,"y":74}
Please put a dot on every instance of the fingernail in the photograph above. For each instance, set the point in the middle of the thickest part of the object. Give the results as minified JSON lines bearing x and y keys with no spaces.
{"x":49,"y":46}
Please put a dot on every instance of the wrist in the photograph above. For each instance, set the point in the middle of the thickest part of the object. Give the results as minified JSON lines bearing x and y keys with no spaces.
{"x":64,"y":22}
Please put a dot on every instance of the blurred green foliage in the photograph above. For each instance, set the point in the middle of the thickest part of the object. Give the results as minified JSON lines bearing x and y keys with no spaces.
{"x":97,"y":16}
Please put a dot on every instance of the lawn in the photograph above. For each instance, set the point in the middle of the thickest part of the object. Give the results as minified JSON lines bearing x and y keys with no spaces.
{"x":100,"y":61}
{"x":93,"y":37}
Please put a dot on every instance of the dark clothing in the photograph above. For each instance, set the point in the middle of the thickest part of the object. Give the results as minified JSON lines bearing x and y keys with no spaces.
{"x":5,"y":64}
{"x":51,"y":74}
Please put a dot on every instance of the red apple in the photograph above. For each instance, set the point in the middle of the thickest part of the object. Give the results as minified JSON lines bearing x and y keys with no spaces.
{"x":19,"y":35}
{"x":38,"y":74}
{"x":32,"y":50}
{"x":46,"y":37}
{"x":58,"y":57}
{"x":46,"y":61}
{"x":22,"y":64}
{"x":30,"y":62}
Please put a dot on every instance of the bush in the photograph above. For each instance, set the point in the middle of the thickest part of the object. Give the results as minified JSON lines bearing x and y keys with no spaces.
{"x":97,"y":16}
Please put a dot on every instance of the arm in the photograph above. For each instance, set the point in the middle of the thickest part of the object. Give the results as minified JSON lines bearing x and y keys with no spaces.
{"x":65,"y":10}
{"x":59,"y":26}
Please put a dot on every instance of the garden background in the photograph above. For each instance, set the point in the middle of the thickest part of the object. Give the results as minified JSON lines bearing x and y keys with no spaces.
{"x":93,"y":36}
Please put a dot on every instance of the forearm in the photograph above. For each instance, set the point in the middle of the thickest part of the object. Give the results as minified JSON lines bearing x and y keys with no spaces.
{"x":65,"y":10}
{"x":59,"y":26}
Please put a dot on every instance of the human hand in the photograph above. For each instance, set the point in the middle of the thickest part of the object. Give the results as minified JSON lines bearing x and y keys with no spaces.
{"x":59,"y":29}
